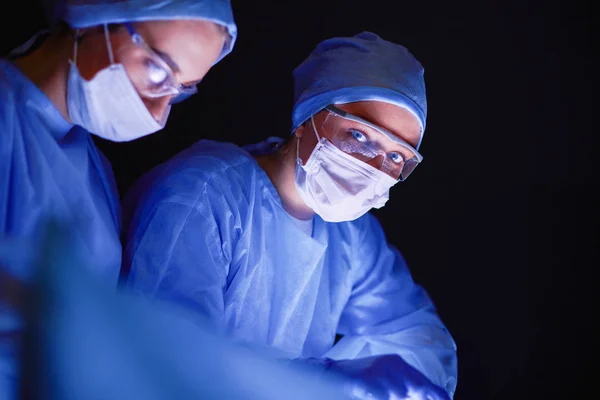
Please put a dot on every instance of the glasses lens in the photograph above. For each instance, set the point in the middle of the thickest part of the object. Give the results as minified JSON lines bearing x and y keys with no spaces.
{"x":183,"y":93}
{"x":369,"y":145}
{"x":409,"y":167}
{"x":189,"y":89}
{"x":179,"y":98}
{"x":150,"y":75}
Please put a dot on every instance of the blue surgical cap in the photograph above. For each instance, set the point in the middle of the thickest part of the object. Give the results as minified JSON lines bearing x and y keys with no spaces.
{"x":358,"y":68}
{"x":86,"y":13}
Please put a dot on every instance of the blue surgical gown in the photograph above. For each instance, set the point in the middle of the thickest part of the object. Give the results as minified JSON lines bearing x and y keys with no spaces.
{"x":207,"y":230}
{"x":49,"y":167}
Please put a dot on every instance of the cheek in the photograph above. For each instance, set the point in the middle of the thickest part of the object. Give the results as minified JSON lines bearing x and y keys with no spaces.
{"x":90,"y":62}
{"x":92,"y":53}
{"x":157,"y":107}
{"x":307,"y":144}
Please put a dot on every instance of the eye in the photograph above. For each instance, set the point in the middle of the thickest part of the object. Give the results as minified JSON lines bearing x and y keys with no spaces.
{"x":359,"y":136}
{"x":396,"y":157}
{"x":156,"y":73}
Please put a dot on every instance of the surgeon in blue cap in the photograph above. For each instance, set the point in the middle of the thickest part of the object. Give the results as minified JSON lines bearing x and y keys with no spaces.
{"x":107,"y":68}
{"x":274,"y":242}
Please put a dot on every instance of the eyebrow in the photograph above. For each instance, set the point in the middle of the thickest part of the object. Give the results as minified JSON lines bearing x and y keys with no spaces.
{"x":376,"y":128}
{"x":398,"y":134}
{"x":174,"y":67}
{"x":166,"y":58}
{"x":378,"y":132}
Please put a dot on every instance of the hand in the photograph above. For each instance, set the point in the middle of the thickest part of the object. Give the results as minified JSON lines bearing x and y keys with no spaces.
{"x":386,"y":377}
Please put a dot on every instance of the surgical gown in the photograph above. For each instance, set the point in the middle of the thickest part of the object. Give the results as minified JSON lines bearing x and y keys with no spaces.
{"x":207,"y":230}
{"x":49,"y":167}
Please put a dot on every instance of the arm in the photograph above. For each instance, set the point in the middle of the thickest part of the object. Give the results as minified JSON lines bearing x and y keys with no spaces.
{"x":388,"y":313}
{"x":175,"y":255}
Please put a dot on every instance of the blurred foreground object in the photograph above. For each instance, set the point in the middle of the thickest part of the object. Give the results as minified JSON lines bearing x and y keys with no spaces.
{"x":82,"y":340}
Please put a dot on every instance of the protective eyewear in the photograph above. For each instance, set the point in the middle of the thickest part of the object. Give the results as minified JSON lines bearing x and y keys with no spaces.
{"x":370,"y":143}
{"x":149,"y":72}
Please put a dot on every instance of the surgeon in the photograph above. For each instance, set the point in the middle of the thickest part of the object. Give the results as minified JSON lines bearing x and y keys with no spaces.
{"x":107,"y":68}
{"x":274,"y":243}
{"x":110,"y":69}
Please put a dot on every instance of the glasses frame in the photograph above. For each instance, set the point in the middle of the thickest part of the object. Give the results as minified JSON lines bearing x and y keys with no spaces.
{"x":351,"y":117}
{"x":180,"y":91}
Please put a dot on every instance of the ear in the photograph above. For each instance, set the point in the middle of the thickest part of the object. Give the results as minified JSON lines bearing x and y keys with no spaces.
{"x":300,"y":130}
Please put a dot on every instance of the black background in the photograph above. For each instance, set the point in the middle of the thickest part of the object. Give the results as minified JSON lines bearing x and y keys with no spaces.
{"x":499,"y":222}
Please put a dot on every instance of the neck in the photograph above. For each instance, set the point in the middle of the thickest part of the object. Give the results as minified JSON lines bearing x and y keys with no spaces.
{"x":48,"y":68}
{"x":280,"y":168}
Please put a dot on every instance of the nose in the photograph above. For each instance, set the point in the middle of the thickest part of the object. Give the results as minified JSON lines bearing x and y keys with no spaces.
{"x":377,"y":161}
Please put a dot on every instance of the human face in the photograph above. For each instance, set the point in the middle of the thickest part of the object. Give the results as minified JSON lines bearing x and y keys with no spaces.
{"x":380,"y":134}
{"x":187,"y":49}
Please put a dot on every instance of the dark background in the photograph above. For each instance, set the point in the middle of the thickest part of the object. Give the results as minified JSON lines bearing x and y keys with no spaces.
{"x":499,"y":222}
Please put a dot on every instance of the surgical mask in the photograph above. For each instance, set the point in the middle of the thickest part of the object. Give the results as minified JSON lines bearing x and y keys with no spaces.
{"x":108,"y":105}
{"x":338,"y":186}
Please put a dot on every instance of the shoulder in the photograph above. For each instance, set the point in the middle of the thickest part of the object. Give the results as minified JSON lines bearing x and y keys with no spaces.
{"x":7,"y":109}
{"x":7,"y":91}
{"x":204,"y":171}
{"x":12,"y":85}
{"x":207,"y":166}
{"x":6,"y":69}
{"x":208,"y":158}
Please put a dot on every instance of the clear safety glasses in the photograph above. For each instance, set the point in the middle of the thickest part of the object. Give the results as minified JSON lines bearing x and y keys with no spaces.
{"x":370,"y":143}
{"x":149,"y":72}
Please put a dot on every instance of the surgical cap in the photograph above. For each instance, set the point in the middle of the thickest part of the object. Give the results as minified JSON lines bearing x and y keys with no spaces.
{"x":358,"y":68}
{"x":86,"y":13}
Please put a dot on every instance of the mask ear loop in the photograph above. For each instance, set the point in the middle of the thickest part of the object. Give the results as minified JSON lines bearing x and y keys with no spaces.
{"x":109,"y":45}
{"x":76,"y":40}
{"x":298,"y":159}
{"x":312,"y":121}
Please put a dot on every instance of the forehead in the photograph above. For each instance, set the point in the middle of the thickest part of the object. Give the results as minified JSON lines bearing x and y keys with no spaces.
{"x":194,"y":45}
{"x":391,"y":117}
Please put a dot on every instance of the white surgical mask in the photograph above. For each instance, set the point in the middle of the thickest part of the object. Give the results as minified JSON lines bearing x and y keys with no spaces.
{"x":108,"y":105}
{"x":336,"y":185}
